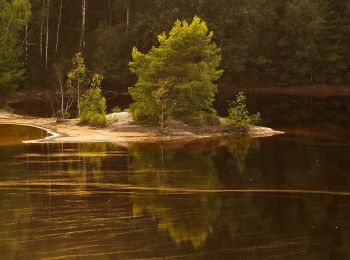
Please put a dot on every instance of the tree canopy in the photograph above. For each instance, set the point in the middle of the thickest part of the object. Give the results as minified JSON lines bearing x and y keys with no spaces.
{"x":176,"y":78}
{"x":14,"y":15}
{"x":292,"y":42}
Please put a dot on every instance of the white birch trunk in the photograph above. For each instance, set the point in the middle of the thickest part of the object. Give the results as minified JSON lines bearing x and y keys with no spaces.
{"x":128,"y":16}
{"x":47,"y":34}
{"x":82,"y":37}
{"x":59,"y":77}
{"x":58,"y":27}
{"x":79,"y":100}
{"x":42,"y":29}
{"x":110,"y":13}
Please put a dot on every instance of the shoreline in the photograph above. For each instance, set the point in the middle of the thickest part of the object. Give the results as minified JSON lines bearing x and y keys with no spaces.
{"x":316,"y":90}
{"x":72,"y":132}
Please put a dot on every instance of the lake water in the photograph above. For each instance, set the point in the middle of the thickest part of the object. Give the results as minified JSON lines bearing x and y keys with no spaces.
{"x":284,"y":197}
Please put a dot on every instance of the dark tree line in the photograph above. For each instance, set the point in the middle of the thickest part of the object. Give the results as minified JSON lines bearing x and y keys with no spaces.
{"x":269,"y":42}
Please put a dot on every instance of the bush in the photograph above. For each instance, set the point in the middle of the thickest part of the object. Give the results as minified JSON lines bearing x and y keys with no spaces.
{"x":239,"y":119}
{"x":59,"y":117}
{"x":116,"y":109}
{"x":202,"y":118}
{"x":93,"y":105}
{"x":212,"y":118}
{"x":98,"y":120}
{"x":195,"y":119}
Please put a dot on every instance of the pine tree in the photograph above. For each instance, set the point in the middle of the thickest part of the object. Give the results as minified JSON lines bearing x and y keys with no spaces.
{"x":332,"y":64}
{"x":14,"y":16}
{"x":176,"y":78}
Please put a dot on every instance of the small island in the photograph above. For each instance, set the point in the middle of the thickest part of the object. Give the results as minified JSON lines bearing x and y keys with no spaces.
{"x":172,"y":97}
{"x":71,"y":131}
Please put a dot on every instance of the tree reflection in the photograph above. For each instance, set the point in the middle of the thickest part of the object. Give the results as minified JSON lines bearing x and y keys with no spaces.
{"x":15,"y":216}
{"x":187,"y":218}
{"x":271,"y":222}
{"x":87,"y":163}
{"x":239,"y":150}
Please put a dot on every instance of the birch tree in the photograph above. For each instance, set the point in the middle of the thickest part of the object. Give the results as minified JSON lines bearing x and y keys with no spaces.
{"x":127,"y":15}
{"x":58,"y":26}
{"x":42,"y":28}
{"x":83,"y":22}
{"x":110,"y":13}
{"x":47,"y":33}
{"x":78,"y":77}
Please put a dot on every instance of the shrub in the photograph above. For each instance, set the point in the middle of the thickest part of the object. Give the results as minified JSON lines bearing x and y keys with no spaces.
{"x":98,"y":120}
{"x":93,"y":105}
{"x":239,"y":119}
{"x":59,"y":117}
{"x":212,"y":119}
{"x":116,"y":109}
{"x":195,"y":119}
{"x":202,"y":118}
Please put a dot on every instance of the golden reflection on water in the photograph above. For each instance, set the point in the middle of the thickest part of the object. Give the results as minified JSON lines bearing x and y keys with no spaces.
{"x":105,"y":201}
{"x":15,"y":134}
{"x":161,"y":169}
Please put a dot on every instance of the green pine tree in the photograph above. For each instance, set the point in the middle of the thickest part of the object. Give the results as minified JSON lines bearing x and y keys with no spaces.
{"x":14,"y":15}
{"x":177,"y":77}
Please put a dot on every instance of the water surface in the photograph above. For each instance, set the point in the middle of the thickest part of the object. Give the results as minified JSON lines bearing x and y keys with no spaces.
{"x":284,"y":197}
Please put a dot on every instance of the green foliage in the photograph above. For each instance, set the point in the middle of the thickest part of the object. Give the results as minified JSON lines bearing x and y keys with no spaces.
{"x":78,"y":77}
{"x":176,"y":78}
{"x":116,"y":109}
{"x":212,"y":118}
{"x":263,"y":42}
{"x":110,"y":55}
{"x":59,"y":116}
{"x":14,"y":15}
{"x":239,"y":119}
{"x":93,"y":105}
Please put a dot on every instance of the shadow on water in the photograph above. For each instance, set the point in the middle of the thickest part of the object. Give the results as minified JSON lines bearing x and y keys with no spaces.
{"x":222,"y":198}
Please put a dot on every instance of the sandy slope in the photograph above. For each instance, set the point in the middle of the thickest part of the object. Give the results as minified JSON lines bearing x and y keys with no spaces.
{"x":72,"y":132}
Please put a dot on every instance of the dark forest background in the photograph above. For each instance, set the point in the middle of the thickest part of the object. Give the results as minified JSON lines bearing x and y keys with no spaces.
{"x":263,"y":42}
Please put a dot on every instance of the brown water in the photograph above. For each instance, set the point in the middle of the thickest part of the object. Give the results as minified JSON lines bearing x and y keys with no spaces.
{"x":285,"y":197}
{"x":15,"y":134}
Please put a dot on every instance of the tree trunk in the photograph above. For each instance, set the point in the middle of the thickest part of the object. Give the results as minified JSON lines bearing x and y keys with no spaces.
{"x":26,"y":43}
{"x":59,"y":77}
{"x":311,"y":77}
{"x":110,"y":13}
{"x":58,"y":27}
{"x":79,"y":100}
{"x":42,"y":29}
{"x":127,"y":16}
{"x":162,"y":118}
{"x":83,"y":21}
{"x":47,"y":34}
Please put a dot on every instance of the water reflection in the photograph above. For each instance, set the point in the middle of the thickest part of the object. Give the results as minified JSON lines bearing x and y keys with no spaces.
{"x":15,"y":134}
{"x":239,"y":150}
{"x":166,"y":167}
{"x":15,"y":215}
{"x":176,"y":200}
{"x":86,"y":164}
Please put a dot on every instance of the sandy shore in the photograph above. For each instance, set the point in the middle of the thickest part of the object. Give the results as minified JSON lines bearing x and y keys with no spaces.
{"x":71,"y":132}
